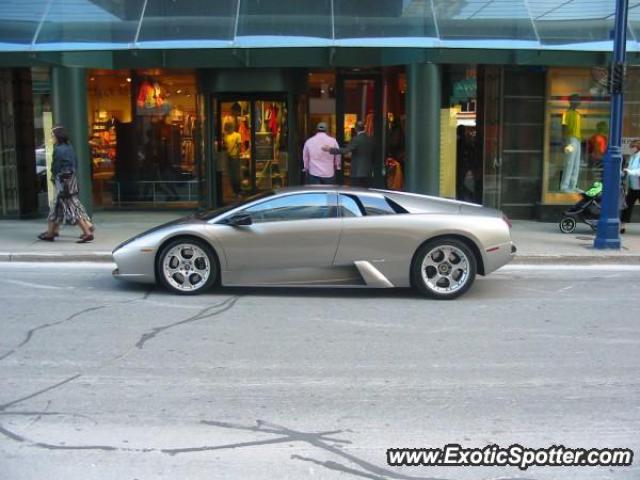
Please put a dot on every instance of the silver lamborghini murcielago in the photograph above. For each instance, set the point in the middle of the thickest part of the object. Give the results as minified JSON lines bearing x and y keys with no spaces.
{"x":327,"y":236}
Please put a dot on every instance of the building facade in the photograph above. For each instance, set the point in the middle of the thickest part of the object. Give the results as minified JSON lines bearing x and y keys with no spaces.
{"x":172,"y":105}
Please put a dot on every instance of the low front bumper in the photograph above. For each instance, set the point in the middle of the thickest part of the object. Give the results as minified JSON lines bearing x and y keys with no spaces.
{"x":133,"y":277}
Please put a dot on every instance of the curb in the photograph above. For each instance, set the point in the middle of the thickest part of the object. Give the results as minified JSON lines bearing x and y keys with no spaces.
{"x":536,"y":259}
{"x":539,"y":259}
{"x":57,"y":257}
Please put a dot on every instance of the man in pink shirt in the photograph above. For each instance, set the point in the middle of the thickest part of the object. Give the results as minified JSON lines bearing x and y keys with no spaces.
{"x":319,"y":165}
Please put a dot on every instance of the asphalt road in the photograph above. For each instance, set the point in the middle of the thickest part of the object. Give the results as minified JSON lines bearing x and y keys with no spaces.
{"x":105,"y":380}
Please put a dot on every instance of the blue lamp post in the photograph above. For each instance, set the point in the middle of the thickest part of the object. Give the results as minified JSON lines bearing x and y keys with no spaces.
{"x":608,"y":234}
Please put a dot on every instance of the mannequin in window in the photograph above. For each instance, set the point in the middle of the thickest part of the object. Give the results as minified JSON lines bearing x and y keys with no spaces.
{"x":597,"y":145}
{"x":572,"y":138}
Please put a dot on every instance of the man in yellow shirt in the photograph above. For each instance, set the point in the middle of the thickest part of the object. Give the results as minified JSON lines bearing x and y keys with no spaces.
{"x":233,"y":147}
{"x":571,"y":134}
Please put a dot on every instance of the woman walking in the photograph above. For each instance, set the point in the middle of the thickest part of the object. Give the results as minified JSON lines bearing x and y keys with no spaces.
{"x":67,"y":209}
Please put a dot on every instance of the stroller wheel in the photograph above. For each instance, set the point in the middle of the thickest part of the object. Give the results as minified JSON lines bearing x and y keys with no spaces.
{"x":567,"y":224}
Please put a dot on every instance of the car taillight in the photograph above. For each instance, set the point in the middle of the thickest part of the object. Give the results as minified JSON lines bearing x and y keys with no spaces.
{"x":507,"y":221}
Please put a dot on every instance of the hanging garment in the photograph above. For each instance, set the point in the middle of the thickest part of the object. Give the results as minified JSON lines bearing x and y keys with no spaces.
{"x":368,"y":124}
{"x":273,"y":119}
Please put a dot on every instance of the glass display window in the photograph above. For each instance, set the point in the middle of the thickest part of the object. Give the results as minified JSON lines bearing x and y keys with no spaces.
{"x":109,"y":103}
{"x":577,"y":129}
{"x":143,"y":129}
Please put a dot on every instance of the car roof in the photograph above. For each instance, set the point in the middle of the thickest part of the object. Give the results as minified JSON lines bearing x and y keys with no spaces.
{"x":325,"y":188}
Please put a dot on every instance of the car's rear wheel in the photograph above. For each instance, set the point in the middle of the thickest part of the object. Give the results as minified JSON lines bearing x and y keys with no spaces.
{"x":444,"y":268}
{"x":187,"y":266}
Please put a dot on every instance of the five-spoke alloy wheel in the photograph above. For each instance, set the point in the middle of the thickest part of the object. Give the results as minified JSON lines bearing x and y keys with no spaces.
{"x":444,"y":268}
{"x":187,"y":266}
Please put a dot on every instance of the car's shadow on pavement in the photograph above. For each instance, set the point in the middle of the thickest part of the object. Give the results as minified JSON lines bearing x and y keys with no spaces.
{"x":479,"y":291}
{"x":482,"y":289}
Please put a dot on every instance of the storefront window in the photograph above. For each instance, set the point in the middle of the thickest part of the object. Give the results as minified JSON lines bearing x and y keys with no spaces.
{"x":460,"y":164}
{"x":9,"y":203}
{"x":42,"y":122}
{"x":143,"y":138}
{"x":578,"y":129}
{"x":252,"y":142}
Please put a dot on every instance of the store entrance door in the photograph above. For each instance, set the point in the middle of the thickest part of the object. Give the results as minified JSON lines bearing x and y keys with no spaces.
{"x":359,"y":98}
{"x":513,"y":139}
{"x":252,"y":144}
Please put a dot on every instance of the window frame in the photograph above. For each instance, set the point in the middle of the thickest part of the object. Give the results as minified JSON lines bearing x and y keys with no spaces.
{"x":393,"y":206}
{"x":332,"y":202}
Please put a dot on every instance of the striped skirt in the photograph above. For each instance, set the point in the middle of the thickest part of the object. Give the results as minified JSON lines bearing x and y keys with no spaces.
{"x":67,"y":209}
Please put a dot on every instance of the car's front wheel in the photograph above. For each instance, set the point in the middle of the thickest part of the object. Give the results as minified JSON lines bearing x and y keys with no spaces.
{"x":187,"y":266}
{"x":444,"y":268}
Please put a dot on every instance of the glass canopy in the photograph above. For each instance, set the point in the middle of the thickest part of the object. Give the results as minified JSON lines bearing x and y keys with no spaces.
{"x":60,"y":25}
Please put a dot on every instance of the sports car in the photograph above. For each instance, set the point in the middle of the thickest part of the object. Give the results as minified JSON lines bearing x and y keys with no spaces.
{"x":329,"y":236}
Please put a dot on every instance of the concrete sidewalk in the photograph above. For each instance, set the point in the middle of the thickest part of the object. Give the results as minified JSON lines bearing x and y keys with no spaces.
{"x":537,"y":242}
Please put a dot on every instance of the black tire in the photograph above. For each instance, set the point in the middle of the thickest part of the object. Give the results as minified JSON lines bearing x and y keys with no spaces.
{"x":205,"y":257}
{"x":455,"y":251}
{"x":567,"y":224}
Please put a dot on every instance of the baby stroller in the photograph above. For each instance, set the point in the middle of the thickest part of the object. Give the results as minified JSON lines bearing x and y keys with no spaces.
{"x":587,"y":210}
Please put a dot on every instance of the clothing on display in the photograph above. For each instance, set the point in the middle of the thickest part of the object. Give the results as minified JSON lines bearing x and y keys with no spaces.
{"x":571,"y":170}
{"x":369,"y":124}
{"x":572,"y":150}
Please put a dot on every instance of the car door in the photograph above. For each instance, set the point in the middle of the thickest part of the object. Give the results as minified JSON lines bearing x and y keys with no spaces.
{"x":374,"y":231}
{"x":293,"y":238}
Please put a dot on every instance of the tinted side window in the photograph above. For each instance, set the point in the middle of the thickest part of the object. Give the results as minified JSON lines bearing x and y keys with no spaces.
{"x":304,"y":206}
{"x":349,"y":207}
{"x":376,"y":205}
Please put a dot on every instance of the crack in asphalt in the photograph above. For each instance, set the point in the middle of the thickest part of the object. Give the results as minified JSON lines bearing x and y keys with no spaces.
{"x":32,"y":331}
{"x":40,"y":414}
{"x":287,"y":435}
{"x":321,"y":440}
{"x":40,"y":392}
{"x":338,"y":467}
{"x":27,"y":413}
{"x":206,"y":312}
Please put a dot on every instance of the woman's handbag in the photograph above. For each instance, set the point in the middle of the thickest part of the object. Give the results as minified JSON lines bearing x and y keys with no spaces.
{"x":68,"y":184}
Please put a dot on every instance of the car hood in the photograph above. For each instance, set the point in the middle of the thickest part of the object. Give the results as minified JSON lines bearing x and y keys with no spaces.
{"x":178,"y":221}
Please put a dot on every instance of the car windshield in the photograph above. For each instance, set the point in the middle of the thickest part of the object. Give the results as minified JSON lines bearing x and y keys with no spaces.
{"x":209,"y":214}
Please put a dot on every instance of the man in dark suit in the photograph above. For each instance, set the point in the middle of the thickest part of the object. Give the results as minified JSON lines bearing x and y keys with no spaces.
{"x":361,"y":148}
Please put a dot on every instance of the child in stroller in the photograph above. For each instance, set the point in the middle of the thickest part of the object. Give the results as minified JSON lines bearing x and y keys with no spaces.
{"x":587,"y":210}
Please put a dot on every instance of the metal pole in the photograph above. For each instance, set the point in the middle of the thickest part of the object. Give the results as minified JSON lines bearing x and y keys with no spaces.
{"x":608,"y":234}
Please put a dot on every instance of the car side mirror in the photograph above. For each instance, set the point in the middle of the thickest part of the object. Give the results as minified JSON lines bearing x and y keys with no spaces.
{"x":239,"y":219}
